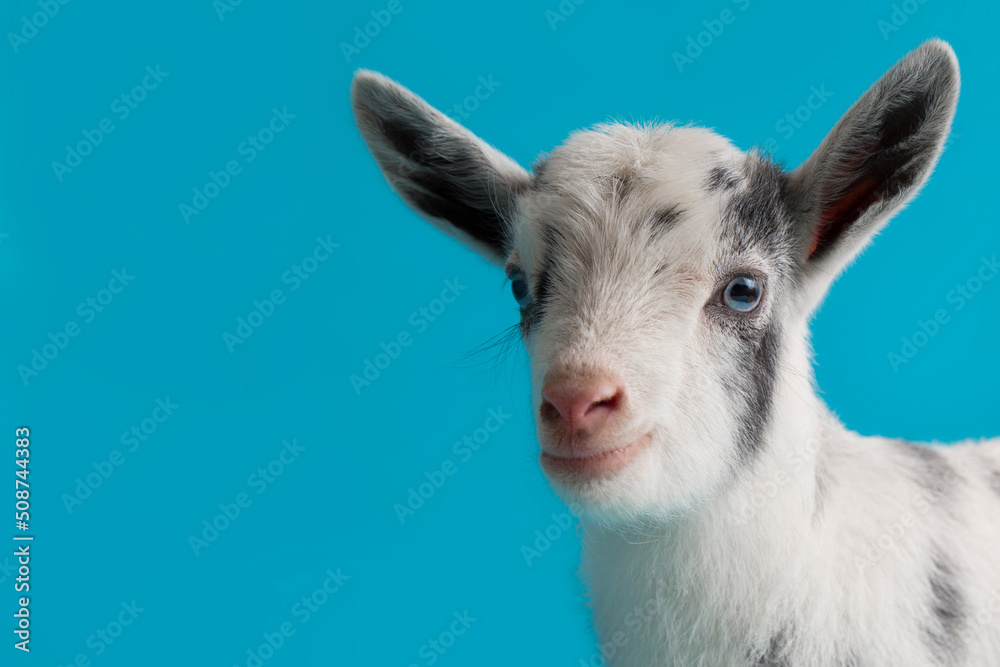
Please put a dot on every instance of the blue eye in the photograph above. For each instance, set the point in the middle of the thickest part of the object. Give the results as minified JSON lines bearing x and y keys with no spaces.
{"x":742,"y":294}
{"x":519,"y":286}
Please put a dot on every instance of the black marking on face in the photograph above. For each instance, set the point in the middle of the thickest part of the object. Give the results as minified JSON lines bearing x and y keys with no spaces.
{"x":754,"y":387}
{"x":543,"y":289}
{"x":757,"y":215}
{"x":721,"y":178}
{"x":544,"y":280}
{"x":665,"y":219}
{"x":774,"y":654}
{"x":948,"y":610}
{"x":621,"y":182}
{"x":553,"y":240}
{"x":756,"y":218}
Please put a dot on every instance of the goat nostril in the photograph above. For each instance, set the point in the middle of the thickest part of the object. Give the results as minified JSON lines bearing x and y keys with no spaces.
{"x":549,"y":411}
{"x":611,"y":403}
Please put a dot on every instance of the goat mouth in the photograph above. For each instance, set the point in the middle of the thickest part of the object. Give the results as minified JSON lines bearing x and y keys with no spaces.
{"x":601,"y":464}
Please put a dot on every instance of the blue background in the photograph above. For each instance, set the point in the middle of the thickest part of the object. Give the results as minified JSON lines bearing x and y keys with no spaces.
{"x":333,"y":507}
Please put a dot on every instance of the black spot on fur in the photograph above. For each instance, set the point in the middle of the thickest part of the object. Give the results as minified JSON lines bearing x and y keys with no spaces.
{"x":757,"y":216}
{"x":822,"y":489}
{"x":622,"y":183}
{"x":754,"y":385}
{"x":529,"y":318}
{"x":933,"y":474}
{"x":538,"y":178}
{"x":756,"y":219}
{"x":948,"y":611}
{"x":665,"y":219}
{"x":721,"y":178}
{"x":995,"y":481}
{"x":544,"y":281}
{"x":543,"y":289}
{"x":775,"y":653}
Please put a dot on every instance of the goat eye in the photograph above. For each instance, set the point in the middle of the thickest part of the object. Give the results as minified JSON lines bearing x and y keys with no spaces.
{"x":742,"y":294}
{"x":519,"y":286}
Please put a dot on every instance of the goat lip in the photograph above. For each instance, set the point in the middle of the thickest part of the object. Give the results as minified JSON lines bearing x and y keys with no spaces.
{"x":593,"y":464}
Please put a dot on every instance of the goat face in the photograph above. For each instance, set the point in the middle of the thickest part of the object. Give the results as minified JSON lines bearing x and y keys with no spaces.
{"x":649,"y":263}
{"x":659,"y":270}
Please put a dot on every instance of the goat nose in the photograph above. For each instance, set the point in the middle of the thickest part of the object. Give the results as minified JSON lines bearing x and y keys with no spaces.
{"x":581,"y":405}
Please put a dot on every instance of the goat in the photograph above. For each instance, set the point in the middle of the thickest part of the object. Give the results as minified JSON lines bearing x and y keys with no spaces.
{"x":666,"y":281}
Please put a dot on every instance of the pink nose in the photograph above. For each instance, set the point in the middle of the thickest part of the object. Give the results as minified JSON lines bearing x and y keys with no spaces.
{"x":581,"y":406}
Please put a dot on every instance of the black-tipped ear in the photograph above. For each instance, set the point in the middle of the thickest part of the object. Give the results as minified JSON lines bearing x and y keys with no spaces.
{"x":464,"y":186}
{"x":875,"y":159}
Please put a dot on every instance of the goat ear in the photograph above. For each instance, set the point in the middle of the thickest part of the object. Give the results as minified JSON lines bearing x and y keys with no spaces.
{"x":464,"y":186}
{"x":875,"y":159}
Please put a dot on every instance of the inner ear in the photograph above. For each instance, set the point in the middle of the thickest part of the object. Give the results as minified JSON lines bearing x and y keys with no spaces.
{"x":876,"y":158}
{"x":877,"y":172}
{"x":842,"y":213}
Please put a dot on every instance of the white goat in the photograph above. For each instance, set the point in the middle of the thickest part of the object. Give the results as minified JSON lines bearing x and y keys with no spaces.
{"x":666,"y":281}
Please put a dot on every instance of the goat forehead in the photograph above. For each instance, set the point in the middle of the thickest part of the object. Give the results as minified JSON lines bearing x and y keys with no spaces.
{"x":642,"y":196}
{"x":614,"y":158}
